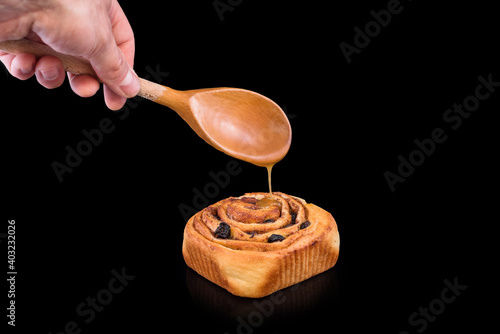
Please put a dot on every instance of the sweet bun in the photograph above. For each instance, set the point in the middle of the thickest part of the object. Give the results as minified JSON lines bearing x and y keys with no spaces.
{"x":256,"y":244}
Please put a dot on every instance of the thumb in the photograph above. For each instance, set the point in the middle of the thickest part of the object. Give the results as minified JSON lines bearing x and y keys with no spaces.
{"x":114,"y":71}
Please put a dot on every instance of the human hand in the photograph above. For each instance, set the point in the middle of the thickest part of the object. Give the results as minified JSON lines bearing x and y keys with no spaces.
{"x":96,"y":30}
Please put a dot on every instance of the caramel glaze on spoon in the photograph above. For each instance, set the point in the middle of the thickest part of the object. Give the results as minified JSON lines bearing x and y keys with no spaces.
{"x":238,"y":122}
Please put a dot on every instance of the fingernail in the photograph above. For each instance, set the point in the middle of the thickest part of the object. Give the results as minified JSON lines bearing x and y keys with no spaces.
{"x":50,"y":74}
{"x":130,"y":85}
{"x":26,"y":70}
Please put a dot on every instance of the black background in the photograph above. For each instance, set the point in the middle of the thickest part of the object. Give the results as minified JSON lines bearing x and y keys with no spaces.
{"x":119,"y":208}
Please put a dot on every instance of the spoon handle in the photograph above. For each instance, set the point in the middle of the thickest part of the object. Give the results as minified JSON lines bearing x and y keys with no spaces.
{"x":75,"y":65}
{"x":70,"y":63}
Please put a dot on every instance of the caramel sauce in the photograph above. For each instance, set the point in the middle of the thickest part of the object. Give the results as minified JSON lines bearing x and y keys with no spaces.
{"x":257,"y":132}
{"x":266,"y":202}
{"x":269,"y":169}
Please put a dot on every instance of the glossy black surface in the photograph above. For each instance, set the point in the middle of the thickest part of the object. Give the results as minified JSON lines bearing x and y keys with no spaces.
{"x":116,"y":220}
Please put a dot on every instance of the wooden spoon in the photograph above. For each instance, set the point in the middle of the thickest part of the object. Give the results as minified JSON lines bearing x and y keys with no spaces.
{"x":238,"y":122}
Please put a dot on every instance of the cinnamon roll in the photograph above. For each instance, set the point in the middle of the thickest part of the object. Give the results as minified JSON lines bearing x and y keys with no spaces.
{"x":256,"y":244}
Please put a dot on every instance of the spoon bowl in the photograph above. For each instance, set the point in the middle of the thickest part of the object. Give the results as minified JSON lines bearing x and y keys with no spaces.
{"x":241,"y":123}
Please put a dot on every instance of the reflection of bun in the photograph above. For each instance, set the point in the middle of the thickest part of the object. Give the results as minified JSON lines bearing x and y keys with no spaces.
{"x":253,"y":250}
{"x":295,"y":300}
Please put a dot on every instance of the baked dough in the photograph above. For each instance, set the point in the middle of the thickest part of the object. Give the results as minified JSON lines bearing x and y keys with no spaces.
{"x":253,"y":250}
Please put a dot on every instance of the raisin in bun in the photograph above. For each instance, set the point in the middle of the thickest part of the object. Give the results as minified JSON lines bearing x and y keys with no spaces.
{"x":256,"y":244}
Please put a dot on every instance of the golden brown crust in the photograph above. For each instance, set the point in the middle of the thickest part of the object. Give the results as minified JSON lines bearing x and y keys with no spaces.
{"x":247,"y":264}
